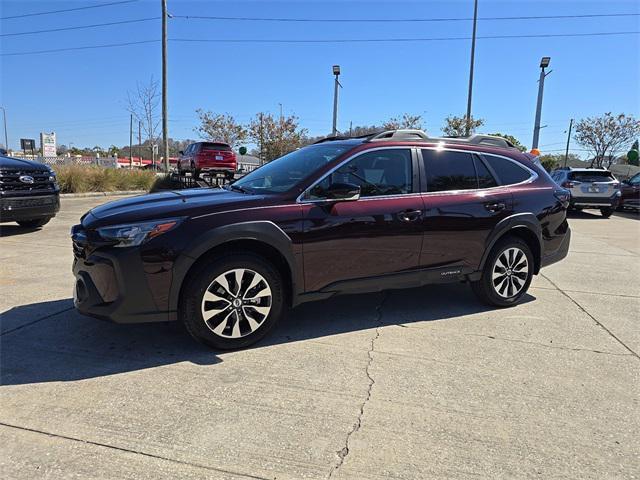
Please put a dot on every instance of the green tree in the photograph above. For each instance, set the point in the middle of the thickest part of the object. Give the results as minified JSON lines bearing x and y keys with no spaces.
{"x":275,"y":137}
{"x":457,"y":126}
{"x":220,"y":127}
{"x":406,"y":121}
{"x":605,"y":137}
{"x":511,"y":139}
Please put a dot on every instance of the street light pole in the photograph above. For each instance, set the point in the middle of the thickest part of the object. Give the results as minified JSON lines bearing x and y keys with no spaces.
{"x":336,"y":72}
{"x":467,"y":129}
{"x":544,"y":63}
{"x":165,"y":121}
{"x":4,"y":117}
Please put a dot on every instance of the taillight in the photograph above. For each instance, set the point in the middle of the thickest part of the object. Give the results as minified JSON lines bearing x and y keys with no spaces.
{"x":568,"y":184}
{"x":616,"y":185}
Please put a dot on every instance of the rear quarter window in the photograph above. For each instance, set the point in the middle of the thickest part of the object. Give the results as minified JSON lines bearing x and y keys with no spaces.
{"x":508,"y":171}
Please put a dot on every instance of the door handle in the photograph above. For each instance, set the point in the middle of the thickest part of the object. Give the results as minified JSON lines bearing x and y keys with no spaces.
{"x":410,"y":215}
{"x":495,"y":206}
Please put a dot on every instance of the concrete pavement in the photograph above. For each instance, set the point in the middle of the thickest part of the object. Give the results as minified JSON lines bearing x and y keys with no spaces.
{"x":422,"y":383}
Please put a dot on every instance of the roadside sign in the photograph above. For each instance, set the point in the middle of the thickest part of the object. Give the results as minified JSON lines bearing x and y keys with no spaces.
{"x":27,"y":144}
{"x":48,"y":144}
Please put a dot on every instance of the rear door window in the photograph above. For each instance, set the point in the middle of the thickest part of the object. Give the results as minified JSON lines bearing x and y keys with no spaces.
{"x":485,"y":178}
{"x":594,"y":176}
{"x":446,"y":170}
{"x":508,"y":171}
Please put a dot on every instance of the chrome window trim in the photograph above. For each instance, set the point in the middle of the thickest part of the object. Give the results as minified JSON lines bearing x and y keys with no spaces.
{"x":532,"y":178}
{"x":348,"y":159}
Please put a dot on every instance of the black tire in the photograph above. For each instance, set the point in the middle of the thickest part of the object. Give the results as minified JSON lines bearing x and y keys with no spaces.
{"x":39,"y":222}
{"x":606,"y":212}
{"x":192,"y":301}
{"x":485,"y":289}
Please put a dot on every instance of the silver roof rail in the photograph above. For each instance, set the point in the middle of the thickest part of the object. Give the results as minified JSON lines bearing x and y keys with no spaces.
{"x":400,"y":134}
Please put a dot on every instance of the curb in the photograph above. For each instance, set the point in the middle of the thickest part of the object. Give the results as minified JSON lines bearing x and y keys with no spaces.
{"x":102,"y":194}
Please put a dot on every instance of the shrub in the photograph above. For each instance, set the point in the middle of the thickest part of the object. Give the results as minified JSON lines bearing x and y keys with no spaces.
{"x":80,"y":178}
{"x":163,"y":182}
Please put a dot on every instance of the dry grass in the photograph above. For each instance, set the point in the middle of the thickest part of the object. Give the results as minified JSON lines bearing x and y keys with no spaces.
{"x":80,"y":179}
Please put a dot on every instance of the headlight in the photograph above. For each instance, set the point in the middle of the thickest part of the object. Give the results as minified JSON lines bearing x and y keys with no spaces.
{"x":134,"y":234}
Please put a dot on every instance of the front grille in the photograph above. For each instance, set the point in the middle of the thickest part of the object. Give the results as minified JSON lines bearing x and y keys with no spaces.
{"x":10,"y":181}
{"x":27,"y":202}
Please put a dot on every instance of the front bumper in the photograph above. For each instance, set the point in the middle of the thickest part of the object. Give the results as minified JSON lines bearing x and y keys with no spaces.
{"x":28,"y":207}
{"x":112,"y":285}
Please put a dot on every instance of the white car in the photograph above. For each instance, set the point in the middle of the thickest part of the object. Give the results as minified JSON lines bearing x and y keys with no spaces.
{"x":590,"y":188}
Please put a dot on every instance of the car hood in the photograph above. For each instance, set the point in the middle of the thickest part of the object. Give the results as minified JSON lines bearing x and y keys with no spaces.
{"x":187,"y":203}
{"x":9,"y":163}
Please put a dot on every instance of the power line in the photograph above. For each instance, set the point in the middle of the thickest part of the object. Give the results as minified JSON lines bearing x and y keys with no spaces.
{"x":382,"y":40}
{"x":393,"y":20}
{"x":67,"y":10}
{"x":320,"y":41}
{"x":89,"y":47}
{"x":79,"y":27}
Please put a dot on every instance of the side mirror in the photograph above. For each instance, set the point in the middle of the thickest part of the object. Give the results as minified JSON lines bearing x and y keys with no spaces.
{"x":181,"y":152}
{"x":343,"y":191}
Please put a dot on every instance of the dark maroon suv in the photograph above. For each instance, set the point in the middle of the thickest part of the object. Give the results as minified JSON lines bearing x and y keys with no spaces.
{"x":345,"y":215}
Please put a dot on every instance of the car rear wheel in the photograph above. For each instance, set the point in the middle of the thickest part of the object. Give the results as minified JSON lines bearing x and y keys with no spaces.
{"x":606,"y":212}
{"x":507,"y":273}
{"x":232,"y":302}
{"x":34,"y":223}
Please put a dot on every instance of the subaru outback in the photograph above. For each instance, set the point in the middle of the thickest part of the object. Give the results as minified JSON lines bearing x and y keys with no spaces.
{"x":345,"y":215}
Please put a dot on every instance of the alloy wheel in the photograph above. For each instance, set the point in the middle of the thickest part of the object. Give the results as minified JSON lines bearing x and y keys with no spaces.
{"x":510,"y":272}
{"x":236,"y":303}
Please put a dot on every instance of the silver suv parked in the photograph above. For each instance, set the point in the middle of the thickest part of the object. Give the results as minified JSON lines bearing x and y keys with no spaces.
{"x":590,"y":188}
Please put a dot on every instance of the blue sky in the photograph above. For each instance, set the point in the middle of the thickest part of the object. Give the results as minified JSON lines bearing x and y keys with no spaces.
{"x":81,"y":94}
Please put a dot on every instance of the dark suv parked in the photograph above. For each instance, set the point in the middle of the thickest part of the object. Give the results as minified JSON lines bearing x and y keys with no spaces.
{"x":29,"y":193}
{"x":345,"y":215}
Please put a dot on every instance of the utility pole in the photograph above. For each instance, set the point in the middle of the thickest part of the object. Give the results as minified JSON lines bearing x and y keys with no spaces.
{"x":467,"y":129}
{"x":544,"y":63}
{"x":140,"y":142}
{"x":165,"y":121}
{"x":566,"y":152}
{"x":336,"y":72}
{"x":261,"y":139}
{"x":351,"y":128}
{"x":6,"y":141}
{"x":131,"y":141}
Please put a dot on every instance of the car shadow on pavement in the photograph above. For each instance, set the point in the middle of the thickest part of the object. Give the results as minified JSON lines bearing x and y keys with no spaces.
{"x":50,"y":341}
{"x":11,"y":230}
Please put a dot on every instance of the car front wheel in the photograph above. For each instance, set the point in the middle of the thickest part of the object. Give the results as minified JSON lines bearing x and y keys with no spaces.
{"x":232,"y":302}
{"x":34,"y":223}
{"x":507,"y":273}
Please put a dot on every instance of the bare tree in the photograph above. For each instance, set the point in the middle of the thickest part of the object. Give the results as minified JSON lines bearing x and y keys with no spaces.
{"x":606,"y":136}
{"x":143,"y":104}
{"x":457,"y":126}
{"x":220,"y":127}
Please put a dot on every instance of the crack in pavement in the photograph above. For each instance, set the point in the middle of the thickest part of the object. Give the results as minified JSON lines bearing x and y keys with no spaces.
{"x":573,"y":349}
{"x":342,"y":454}
{"x":635,"y":354}
{"x":128,"y":450}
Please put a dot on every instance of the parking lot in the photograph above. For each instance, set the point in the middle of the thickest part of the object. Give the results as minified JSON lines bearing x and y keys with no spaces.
{"x":422,"y":383}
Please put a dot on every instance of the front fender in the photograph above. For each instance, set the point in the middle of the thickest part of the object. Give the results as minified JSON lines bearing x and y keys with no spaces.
{"x":263,"y":231}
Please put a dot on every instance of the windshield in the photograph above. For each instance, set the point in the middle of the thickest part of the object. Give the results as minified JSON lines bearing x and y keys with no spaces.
{"x":591,"y":176}
{"x":285,"y":172}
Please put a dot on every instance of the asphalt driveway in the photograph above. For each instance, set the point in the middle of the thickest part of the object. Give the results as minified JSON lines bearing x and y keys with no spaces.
{"x":422,"y":383}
